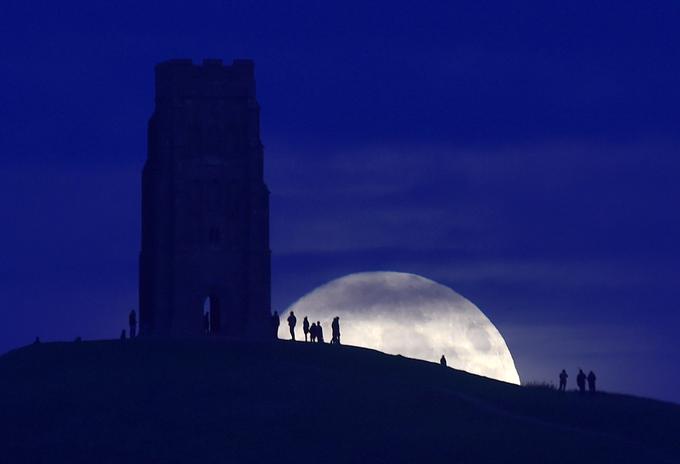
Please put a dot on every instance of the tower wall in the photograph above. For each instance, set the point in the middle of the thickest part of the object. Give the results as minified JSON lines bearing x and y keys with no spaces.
{"x":205,"y":206}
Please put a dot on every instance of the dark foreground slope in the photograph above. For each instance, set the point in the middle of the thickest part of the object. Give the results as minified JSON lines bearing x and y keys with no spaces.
{"x":217,"y":401}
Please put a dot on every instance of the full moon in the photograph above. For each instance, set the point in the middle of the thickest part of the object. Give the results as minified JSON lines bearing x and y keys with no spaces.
{"x":401,"y":313}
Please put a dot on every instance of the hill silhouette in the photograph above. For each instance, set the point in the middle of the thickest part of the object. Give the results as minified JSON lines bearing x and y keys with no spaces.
{"x":226,"y":401}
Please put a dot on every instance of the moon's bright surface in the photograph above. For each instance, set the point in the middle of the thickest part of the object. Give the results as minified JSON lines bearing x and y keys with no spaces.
{"x":401,"y":313}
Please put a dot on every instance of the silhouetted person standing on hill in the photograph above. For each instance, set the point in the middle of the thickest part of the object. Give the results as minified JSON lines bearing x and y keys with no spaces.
{"x":305,"y":327}
{"x":591,"y":382}
{"x":319,"y":332}
{"x":581,"y":381}
{"x":292,"y":320}
{"x":563,"y":380}
{"x":335,"y":330}
{"x":312,"y":332}
{"x":276,"y":321}
{"x":442,"y":361}
{"x":132,"y":320}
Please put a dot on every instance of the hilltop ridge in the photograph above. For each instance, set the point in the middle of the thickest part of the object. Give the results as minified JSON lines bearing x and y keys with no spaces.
{"x":218,"y":400}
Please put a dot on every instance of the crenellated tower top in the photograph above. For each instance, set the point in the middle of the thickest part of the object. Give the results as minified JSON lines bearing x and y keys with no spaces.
{"x":181,"y":78}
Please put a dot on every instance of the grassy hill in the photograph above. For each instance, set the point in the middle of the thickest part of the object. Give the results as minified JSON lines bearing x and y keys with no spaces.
{"x":220,"y":401}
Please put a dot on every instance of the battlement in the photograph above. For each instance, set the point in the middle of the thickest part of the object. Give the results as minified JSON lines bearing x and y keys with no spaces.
{"x":181,"y":78}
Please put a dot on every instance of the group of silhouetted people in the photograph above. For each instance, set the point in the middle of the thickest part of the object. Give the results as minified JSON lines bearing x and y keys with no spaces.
{"x":581,"y":380}
{"x":313,"y":332}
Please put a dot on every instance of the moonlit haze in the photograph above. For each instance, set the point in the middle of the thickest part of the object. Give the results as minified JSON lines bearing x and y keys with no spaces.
{"x":401,"y":313}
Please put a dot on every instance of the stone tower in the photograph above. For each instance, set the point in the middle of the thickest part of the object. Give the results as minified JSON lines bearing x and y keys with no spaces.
{"x":205,"y":206}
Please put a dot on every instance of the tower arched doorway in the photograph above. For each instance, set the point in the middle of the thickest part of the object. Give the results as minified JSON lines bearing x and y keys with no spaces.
{"x":211,"y":315}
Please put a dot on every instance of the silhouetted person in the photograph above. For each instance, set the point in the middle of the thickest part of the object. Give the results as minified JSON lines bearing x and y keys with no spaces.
{"x":123,"y":336}
{"x":206,"y":323}
{"x":313,"y":332}
{"x":563,"y":380}
{"x":442,"y":361}
{"x":132,"y":319}
{"x":36,"y":341}
{"x":276,"y":321}
{"x":78,"y":339}
{"x":581,"y":381}
{"x":335,"y":331}
{"x":591,"y":382}
{"x":292,"y":320}
{"x":319,"y":332}
{"x":305,"y":327}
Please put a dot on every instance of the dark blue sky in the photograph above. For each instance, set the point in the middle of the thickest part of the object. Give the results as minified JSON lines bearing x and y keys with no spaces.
{"x":525,"y":154}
